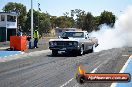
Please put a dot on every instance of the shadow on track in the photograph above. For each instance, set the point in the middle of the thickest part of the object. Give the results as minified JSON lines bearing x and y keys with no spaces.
{"x":63,"y":55}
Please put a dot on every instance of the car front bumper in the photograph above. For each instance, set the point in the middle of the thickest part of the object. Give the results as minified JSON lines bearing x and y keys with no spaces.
{"x":64,"y":48}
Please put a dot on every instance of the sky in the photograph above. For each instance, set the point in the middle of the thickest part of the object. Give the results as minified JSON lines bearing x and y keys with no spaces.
{"x":58,"y":7}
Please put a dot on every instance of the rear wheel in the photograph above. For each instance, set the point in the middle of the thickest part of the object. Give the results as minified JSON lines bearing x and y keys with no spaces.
{"x":54,"y":52}
{"x":91,"y":50}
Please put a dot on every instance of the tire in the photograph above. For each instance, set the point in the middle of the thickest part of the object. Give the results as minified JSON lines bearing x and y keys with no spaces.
{"x":54,"y":52}
{"x":81,"y":51}
{"x":91,"y":50}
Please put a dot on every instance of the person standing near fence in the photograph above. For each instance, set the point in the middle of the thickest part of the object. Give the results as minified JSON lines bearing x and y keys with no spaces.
{"x":36,"y":38}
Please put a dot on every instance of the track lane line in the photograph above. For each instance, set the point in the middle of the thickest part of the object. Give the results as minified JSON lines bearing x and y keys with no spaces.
{"x":67,"y":82}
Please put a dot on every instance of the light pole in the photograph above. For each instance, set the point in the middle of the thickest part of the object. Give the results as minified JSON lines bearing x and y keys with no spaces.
{"x":31,"y":20}
{"x":31,"y":41}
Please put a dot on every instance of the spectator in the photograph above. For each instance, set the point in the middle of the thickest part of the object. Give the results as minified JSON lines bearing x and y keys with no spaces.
{"x":36,"y":37}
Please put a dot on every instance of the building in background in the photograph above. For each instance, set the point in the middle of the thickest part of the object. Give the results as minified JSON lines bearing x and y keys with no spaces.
{"x":8,"y":25}
{"x":59,"y":31}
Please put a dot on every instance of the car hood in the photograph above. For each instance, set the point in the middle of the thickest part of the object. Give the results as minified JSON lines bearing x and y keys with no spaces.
{"x":69,"y":39}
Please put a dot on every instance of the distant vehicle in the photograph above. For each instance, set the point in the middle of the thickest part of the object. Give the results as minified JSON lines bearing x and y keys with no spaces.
{"x":77,"y":42}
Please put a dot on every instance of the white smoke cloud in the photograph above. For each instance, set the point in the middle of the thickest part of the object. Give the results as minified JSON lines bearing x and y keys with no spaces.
{"x":119,"y":36}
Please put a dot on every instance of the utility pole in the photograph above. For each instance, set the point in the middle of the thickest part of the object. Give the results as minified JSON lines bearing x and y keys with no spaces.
{"x":38,"y":15}
{"x":32,"y":20}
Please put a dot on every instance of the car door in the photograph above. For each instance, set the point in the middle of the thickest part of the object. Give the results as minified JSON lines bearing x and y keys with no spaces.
{"x":88,"y":42}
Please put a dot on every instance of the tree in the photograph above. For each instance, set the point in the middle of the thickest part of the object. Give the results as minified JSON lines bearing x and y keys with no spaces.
{"x":80,"y":14}
{"x":89,"y":23}
{"x":96,"y":22}
{"x":18,"y":8}
{"x":45,"y":26}
{"x":107,"y":18}
{"x":41,"y":21}
{"x":28,"y":20}
{"x":69,"y":21}
{"x":60,"y":22}
{"x":64,"y":22}
{"x":53,"y":21}
{"x":66,"y":14}
{"x":72,"y":13}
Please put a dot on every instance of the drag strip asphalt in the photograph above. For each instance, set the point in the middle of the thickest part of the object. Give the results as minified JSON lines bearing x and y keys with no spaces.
{"x":44,"y":70}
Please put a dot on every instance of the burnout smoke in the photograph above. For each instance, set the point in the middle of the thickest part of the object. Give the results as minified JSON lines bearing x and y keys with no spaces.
{"x":117,"y":37}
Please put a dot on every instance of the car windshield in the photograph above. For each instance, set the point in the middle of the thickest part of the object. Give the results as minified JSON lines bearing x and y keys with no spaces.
{"x":73,"y":34}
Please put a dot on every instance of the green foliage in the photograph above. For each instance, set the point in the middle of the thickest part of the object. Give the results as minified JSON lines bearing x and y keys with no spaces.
{"x":45,"y":26}
{"x":44,"y":22}
{"x":107,"y":18}
{"x":35,"y":20}
{"x":64,"y":22}
{"x":88,"y":23}
{"x":53,"y":21}
{"x":41,"y":21}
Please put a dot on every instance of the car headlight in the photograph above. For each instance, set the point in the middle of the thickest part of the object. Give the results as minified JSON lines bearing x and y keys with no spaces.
{"x":75,"y":43}
{"x":55,"y":43}
{"x":51,"y":43}
{"x":70,"y":43}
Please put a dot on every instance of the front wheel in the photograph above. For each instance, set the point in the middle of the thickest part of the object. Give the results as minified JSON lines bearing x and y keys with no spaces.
{"x":54,"y":52}
{"x":81,"y":51}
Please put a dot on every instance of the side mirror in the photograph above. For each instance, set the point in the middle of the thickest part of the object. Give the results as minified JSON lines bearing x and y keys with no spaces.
{"x":86,"y":38}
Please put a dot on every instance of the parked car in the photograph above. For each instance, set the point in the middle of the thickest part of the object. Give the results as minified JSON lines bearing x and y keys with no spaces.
{"x":73,"y":41}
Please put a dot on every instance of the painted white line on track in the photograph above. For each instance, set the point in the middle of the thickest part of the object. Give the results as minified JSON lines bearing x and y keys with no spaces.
{"x":67,"y":82}
{"x":125,"y":55}
{"x":122,"y":70}
{"x":73,"y":78}
{"x":95,"y":69}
